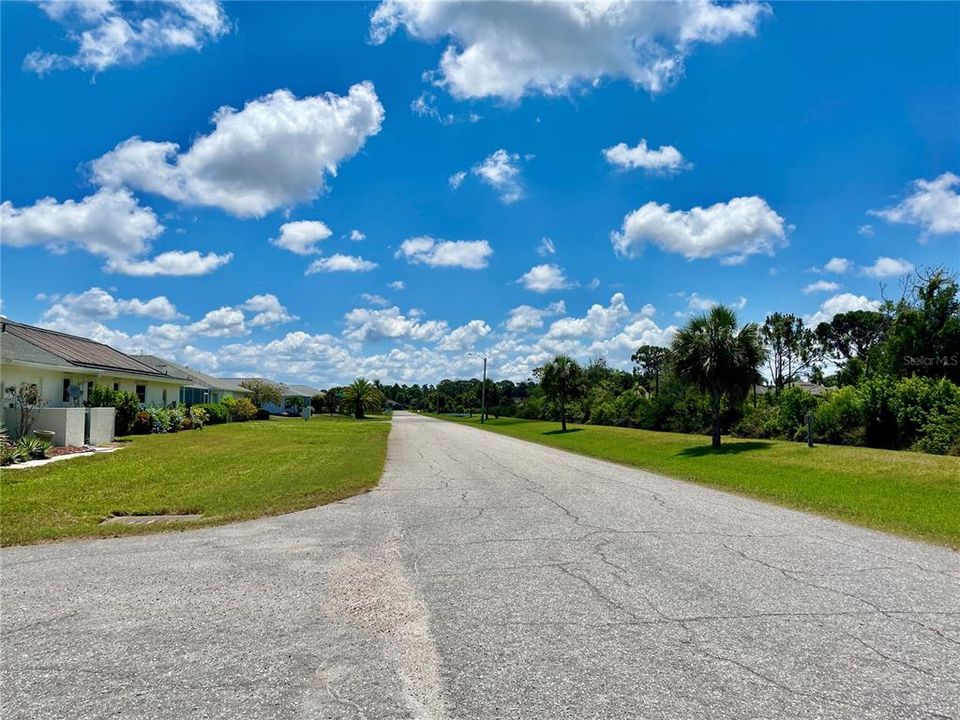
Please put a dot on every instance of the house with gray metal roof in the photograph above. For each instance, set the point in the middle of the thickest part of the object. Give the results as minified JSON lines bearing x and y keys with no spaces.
{"x":302,"y":393}
{"x":202,"y":388}
{"x":65,"y":367}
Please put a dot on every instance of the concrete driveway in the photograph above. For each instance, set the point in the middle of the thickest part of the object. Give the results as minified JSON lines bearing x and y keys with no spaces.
{"x":489,"y":578}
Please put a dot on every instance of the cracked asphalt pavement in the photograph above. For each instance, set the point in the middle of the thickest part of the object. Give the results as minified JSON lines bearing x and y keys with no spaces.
{"x":487,"y":577}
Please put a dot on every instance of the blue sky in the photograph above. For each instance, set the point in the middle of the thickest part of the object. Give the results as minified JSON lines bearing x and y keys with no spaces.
{"x":793,"y":157}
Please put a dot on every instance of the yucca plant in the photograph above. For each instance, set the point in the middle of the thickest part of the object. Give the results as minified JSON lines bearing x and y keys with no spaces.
{"x":33,"y":447}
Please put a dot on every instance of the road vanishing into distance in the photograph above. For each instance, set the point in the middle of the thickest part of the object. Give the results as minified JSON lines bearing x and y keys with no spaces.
{"x":487,"y":577}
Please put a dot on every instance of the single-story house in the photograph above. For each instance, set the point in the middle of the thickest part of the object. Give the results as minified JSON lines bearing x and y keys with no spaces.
{"x":55,"y":361}
{"x":812,"y":388}
{"x":64,"y":368}
{"x":303,"y":392}
{"x":201,"y":388}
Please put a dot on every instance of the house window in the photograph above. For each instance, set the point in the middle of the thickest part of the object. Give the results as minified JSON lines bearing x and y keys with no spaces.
{"x":66,"y":389}
{"x":116,"y":387}
{"x":142,"y":393}
{"x":164,"y":396}
{"x":89,"y":389}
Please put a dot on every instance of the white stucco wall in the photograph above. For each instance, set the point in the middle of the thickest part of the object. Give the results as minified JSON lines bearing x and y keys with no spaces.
{"x":50,"y":382}
{"x":66,"y":423}
{"x":100,"y":425}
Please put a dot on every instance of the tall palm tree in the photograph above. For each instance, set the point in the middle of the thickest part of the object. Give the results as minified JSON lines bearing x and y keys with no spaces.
{"x":362,"y":396}
{"x":711,"y":353}
{"x":561,"y":380}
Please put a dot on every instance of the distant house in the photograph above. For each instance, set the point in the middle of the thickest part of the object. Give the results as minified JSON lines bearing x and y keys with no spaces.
{"x":201,"y":388}
{"x":812,"y":388}
{"x":65,"y":368}
{"x":303,"y":392}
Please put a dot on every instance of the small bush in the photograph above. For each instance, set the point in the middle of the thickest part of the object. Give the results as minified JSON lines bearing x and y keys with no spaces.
{"x":198,"y":416}
{"x":840,"y":417}
{"x":142,"y":423}
{"x":127,"y":405}
{"x":244,"y":409}
{"x":217,"y":413}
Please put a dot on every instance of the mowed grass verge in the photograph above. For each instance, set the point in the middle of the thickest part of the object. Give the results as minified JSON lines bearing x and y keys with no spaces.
{"x":908,"y":493}
{"x":227,"y":472}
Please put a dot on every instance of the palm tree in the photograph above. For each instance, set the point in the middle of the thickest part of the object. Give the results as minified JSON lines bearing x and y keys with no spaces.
{"x":362,"y":396}
{"x":710,"y":352}
{"x":561,"y":380}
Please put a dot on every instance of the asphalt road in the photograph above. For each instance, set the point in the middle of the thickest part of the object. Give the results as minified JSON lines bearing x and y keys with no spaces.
{"x":489,"y":578}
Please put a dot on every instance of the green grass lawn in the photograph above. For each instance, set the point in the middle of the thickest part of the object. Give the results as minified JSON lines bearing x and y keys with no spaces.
{"x":902,"y":492}
{"x":226,"y":472}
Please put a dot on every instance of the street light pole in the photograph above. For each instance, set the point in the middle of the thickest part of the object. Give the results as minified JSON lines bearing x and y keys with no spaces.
{"x":483,"y":394}
{"x":483,"y":387}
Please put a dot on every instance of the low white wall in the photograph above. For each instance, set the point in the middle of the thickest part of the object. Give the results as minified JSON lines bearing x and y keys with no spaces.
{"x":100,"y":424}
{"x":67,"y":424}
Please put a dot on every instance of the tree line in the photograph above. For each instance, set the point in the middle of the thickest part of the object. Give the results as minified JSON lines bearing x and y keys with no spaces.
{"x":884,"y":378}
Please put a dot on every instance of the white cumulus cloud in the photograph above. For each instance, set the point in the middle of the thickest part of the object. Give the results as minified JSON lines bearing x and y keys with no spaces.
{"x":887,"y":267}
{"x":465,"y":336}
{"x":524,"y":318}
{"x":340,"y":263}
{"x":732,"y":230}
{"x":173,"y":262}
{"x":424,"y":250}
{"x":663,"y":160}
{"x":109,"y":223}
{"x":821,"y":286}
{"x":267,"y":311}
{"x":274,"y":153}
{"x":934,"y":206}
{"x":501,"y":171}
{"x":120,"y":33}
{"x":545,"y":278}
{"x":845,"y":302}
{"x":511,"y":49}
{"x":301,"y":237}
{"x":837,"y":266}
{"x":99,"y":305}
{"x":367,"y":325}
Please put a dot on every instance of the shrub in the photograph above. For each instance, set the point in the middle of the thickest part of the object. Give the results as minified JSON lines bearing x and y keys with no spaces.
{"x":229,"y":403}
{"x":142,"y":423}
{"x":940,"y":435}
{"x":759,"y":421}
{"x":198,"y":416}
{"x":127,"y":405}
{"x":840,"y":417}
{"x":244,"y":409}
{"x":217,"y":413}
{"x":794,"y":404}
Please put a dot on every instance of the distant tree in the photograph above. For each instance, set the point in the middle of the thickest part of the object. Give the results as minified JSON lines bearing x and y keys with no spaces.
{"x":562,"y":380}
{"x":362,"y":396}
{"x":792,"y":348}
{"x":296,"y":402}
{"x":924,"y":336}
{"x":332,"y":399}
{"x":710,"y":352}
{"x":850,"y":339}
{"x":316,"y":403}
{"x":263,"y":392}
{"x":650,"y":361}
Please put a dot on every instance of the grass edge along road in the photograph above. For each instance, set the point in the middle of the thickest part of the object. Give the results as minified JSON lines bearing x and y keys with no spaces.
{"x":907,"y":493}
{"x":231,"y":472}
